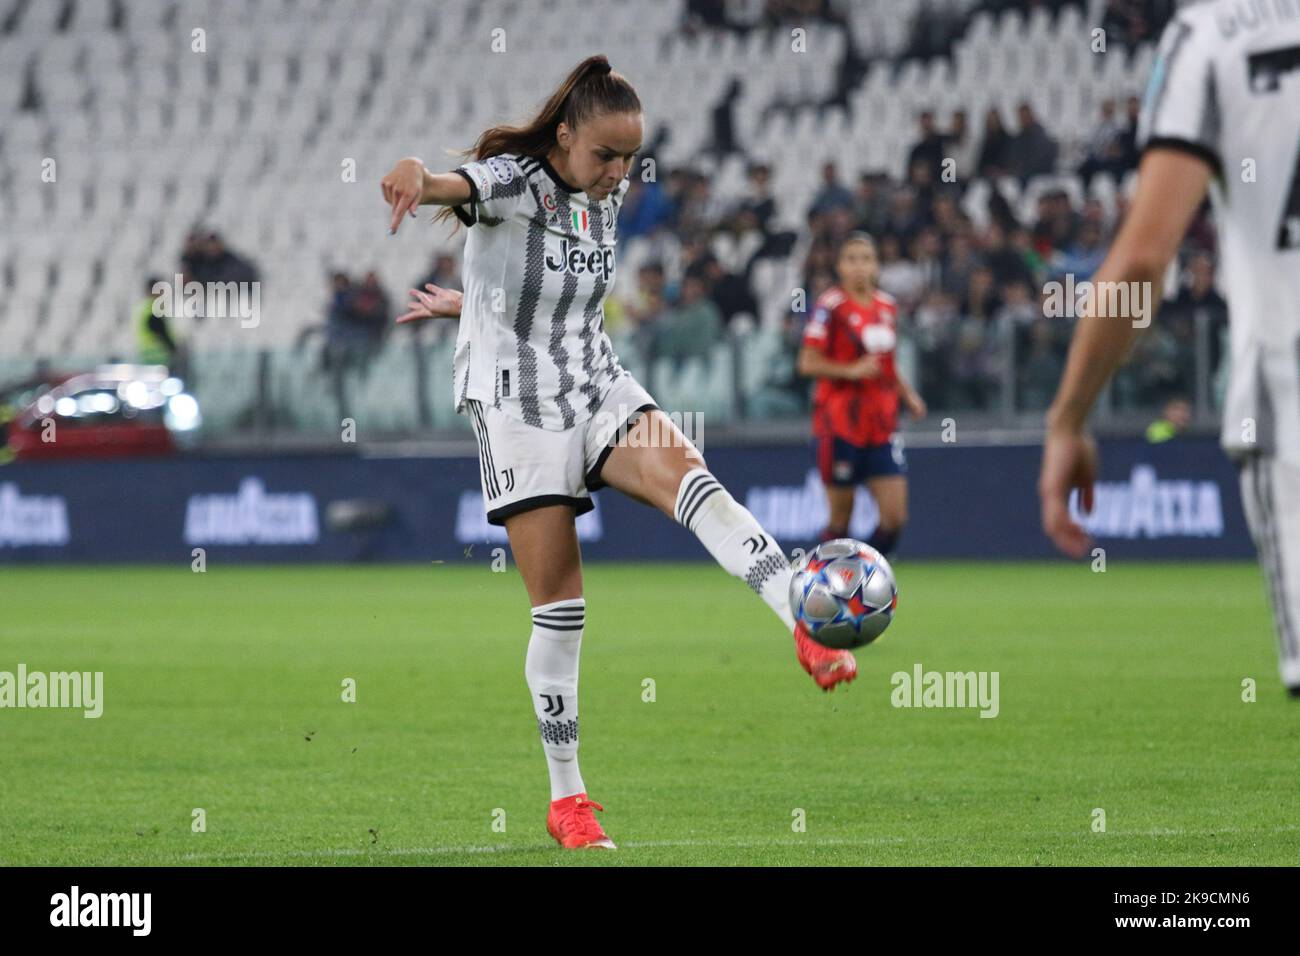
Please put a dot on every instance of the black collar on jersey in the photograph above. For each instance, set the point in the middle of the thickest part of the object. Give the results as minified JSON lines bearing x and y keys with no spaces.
{"x":550,"y":171}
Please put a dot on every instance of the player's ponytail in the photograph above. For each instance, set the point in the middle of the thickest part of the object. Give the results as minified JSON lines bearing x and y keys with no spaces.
{"x":591,"y":89}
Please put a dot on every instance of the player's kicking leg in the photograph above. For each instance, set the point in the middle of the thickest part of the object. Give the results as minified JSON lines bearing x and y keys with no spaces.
{"x":1270,"y":492}
{"x":655,"y":463}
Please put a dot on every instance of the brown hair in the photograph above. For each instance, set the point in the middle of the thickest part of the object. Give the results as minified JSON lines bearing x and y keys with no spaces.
{"x":855,"y":236}
{"x":591,"y":89}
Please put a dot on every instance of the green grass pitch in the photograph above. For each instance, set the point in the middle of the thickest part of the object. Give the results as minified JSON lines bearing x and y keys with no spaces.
{"x":1119,"y":690}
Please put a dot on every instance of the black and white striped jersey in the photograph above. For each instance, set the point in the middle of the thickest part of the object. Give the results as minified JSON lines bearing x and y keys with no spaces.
{"x":539,"y":262}
{"x":1225,"y":86}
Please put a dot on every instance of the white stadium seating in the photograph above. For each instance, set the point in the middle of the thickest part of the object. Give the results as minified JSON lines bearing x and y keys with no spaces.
{"x":250,"y":137}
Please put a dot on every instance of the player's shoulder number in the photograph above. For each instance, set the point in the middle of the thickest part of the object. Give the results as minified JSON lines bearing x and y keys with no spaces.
{"x":1267,"y":70}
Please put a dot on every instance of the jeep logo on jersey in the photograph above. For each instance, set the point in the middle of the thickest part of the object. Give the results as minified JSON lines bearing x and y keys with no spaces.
{"x":571,"y":258}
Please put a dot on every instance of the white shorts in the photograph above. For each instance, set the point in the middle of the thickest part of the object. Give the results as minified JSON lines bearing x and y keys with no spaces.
{"x":523,"y":467}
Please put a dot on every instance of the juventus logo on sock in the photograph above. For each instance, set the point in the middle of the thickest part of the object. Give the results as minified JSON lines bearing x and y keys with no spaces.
{"x":554,"y":704}
{"x":735,"y":539}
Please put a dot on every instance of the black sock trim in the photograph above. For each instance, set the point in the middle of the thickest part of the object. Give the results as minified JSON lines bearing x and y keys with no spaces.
{"x":699,"y":503}
{"x":690,"y":488}
{"x":699,"y":485}
{"x":562,"y":618}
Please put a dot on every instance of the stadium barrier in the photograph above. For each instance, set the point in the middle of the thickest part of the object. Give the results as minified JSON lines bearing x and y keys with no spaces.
{"x":1178,"y":499}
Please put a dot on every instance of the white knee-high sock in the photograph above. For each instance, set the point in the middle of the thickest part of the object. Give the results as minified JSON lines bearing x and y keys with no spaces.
{"x":551,"y":669}
{"x":735,"y":539}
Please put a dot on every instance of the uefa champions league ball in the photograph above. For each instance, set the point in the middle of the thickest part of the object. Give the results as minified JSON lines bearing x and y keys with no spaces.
{"x":844,"y":593}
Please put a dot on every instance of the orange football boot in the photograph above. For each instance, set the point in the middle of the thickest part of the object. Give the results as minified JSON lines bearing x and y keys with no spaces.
{"x":574,"y":826}
{"x":828,"y":667}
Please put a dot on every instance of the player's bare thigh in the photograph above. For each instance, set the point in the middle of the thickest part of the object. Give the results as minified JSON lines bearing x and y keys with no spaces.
{"x":890,"y":492}
{"x":544,"y":542}
{"x":651,"y":461}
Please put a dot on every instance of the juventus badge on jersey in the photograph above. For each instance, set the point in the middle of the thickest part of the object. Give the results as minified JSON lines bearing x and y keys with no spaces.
{"x":505,"y":383}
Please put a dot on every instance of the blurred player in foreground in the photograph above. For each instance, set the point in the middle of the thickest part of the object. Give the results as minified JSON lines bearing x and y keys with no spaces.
{"x":1220,"y":113}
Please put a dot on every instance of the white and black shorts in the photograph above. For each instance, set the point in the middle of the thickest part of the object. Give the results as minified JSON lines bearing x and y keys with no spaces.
{"x":523,"y":467}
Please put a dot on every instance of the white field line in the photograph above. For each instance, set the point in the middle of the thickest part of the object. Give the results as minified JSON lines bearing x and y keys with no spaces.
{"x":469,"y":850}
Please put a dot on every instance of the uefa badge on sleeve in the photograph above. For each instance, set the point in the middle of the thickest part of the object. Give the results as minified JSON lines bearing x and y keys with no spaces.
{"x":501,"y":170}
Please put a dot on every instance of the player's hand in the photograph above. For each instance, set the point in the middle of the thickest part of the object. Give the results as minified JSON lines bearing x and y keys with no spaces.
{"x":868,"y":366}
{"x":436,"y":303}
{"x":403,"y":188}
{"x":1069,"y":463}
{"x":916,"y":405}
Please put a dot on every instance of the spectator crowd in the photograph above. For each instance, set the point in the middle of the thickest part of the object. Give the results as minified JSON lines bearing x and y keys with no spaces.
{"x":970,"y":289}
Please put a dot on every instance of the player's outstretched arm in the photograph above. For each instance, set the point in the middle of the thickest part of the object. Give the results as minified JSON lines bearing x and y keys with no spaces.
{"x":911,"y":397}
{"x":436,"y":303}
{"x":1171,"y":186}
{"x":408,"y":184}
{"x":813,"y":363}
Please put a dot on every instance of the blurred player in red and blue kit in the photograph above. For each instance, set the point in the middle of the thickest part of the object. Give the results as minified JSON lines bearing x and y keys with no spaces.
{"x":848,"y":346}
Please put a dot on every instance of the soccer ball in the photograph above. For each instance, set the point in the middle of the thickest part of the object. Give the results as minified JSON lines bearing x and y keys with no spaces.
{"x":844,"y":593}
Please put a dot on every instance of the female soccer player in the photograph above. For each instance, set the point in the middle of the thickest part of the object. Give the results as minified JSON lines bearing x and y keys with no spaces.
{"x":555,"y":414}
{"x":848,"y":346}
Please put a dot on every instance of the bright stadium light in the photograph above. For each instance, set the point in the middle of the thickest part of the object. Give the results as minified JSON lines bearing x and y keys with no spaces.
{"x":137,"y":394}
{"x":182,"y":413}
